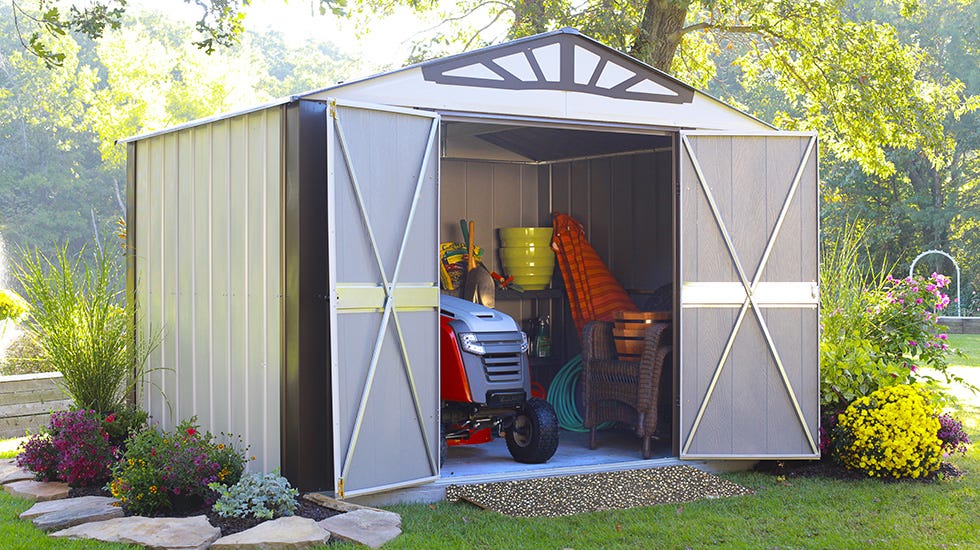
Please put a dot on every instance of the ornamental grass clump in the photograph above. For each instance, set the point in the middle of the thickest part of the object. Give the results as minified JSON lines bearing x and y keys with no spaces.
{"x":890,"y":433}
{"x":172,"y":470}
{"x":83,"y":325}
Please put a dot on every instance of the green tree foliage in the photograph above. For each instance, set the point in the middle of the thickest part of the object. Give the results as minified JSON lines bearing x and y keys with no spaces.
{"x":37,"y":22}
{"x":62,"y":173}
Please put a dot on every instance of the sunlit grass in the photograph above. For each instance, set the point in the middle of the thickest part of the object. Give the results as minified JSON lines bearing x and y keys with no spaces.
{"x":969,"y":346}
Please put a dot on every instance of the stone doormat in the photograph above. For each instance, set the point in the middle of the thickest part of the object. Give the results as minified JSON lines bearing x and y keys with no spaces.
{"x":568,"y":495}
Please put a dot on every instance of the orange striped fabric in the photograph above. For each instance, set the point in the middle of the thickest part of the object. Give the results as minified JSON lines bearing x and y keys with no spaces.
{"x":594,"y":294}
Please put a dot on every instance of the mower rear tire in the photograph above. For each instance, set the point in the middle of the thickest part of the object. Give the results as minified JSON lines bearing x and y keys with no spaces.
{"x":533,"y":438}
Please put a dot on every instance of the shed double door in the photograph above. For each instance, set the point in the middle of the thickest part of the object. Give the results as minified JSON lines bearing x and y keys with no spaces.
{"x":748,"y":319}
{"x":383,"y":237}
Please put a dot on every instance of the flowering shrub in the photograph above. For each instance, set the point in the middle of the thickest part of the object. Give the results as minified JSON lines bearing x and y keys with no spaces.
{"x":264,"y":496}
{"x":172,"y":470}
{"x":952,"y":435}
{"x":882,"y":338}
{"x":38,"y":456}
{"x":890,"y":433}
{"x":908,"y":320}
{"x":74,"y":449}
{"x":123,"y":423}
{"x":12,"y":306}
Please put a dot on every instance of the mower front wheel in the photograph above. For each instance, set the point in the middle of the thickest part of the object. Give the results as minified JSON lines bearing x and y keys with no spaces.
{"x":533,"y":438}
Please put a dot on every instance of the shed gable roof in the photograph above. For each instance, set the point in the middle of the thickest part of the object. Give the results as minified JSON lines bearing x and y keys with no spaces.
{"x":562,"y":60}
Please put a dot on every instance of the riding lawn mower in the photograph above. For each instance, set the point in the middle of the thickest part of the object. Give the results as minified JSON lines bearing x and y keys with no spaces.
{"x":486,"y":385}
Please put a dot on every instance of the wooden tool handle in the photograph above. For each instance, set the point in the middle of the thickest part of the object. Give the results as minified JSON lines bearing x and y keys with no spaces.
{"x":469,"y":249}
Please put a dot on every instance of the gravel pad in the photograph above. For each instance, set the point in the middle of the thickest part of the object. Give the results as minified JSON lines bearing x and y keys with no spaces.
{"x":568,"y":495}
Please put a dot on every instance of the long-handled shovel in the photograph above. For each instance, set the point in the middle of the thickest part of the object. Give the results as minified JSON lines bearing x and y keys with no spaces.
{"x":479,"y":284}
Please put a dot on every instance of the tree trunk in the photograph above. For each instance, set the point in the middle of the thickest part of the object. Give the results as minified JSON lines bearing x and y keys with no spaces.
{"x":660,"y":32}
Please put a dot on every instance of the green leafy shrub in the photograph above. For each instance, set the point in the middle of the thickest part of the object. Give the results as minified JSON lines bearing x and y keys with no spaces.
{"x":81,"y":322}
{"x":126,"y":421}
{"x":263,"y":496}
{"x":890,"y":433}
{"x":172,"y":470}
{"x":877,"y":331}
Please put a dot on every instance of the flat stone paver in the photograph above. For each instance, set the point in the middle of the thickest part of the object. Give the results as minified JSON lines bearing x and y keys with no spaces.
{"x":62,"y":514}
{"x":38,"y":491}
{"x":194,"y":533}
{"x":41,"y":508}
{"x":288,"y":533}
{"x":10,"y":473}
{"x":371,"y":528}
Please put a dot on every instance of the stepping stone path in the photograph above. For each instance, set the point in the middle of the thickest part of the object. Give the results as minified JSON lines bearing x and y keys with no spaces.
{"x":100,"y":518}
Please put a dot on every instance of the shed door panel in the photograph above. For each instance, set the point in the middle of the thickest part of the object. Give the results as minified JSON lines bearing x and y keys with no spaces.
{"x":384,"y":300}
{"x":749,"y":375}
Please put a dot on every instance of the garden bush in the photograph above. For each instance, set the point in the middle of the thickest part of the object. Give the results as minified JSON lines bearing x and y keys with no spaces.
{"x":953,"y":436}
{"x":81,"y":321}
{"x":893,"y":432}
{"x":12,"y":306}
{"x":75,"y":448}
{"x":263,"y":496}
{"x":172,"y":470}
{"x":876,"y":330}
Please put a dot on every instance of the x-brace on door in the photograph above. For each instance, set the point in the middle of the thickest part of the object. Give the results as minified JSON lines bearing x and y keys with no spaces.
{"x":749,"y":327}
{"x":383,"y":212}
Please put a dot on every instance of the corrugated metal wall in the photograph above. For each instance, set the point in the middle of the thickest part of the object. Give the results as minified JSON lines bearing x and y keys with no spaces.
{"x":207,"y":236}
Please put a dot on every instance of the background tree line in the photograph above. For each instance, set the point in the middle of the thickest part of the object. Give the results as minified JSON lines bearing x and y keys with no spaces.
{"x":891,"y":86}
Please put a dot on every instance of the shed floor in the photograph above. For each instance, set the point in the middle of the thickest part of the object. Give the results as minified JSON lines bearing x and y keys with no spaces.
{"x":618,"y":450}
{"x":615,"y":446}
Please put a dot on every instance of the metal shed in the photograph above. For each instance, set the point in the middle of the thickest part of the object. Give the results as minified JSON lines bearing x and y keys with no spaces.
{"x":289,"y":252}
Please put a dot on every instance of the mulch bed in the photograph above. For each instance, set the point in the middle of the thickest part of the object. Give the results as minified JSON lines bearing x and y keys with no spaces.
{"x":827,"y":468}
{"x":228,"y":526}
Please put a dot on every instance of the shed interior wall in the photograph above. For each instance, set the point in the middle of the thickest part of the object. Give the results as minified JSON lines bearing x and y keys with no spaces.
{"x":624,"y":200}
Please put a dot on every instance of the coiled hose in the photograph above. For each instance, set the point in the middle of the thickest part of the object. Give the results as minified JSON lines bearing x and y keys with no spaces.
{"x":561,"y":395}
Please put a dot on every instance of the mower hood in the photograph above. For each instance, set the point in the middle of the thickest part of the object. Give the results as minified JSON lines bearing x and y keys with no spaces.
{"x":477,"y":318}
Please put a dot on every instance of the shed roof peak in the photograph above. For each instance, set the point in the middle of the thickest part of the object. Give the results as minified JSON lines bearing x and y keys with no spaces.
{"x":564,"y":60}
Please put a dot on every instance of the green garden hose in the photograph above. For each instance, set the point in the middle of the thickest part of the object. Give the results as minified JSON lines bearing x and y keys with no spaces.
{"x":561,"y":395}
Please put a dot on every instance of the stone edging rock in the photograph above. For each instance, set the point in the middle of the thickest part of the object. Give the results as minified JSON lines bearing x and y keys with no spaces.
{"x":100,"y":518}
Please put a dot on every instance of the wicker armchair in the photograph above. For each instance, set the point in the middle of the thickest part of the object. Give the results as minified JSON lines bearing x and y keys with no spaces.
{"x":623,"y":391}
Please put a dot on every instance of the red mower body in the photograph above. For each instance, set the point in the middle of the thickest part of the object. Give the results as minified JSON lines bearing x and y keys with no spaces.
{"x":486,"y":384}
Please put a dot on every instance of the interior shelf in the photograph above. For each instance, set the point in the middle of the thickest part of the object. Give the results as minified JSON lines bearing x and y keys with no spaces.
{"x":548,"y":293}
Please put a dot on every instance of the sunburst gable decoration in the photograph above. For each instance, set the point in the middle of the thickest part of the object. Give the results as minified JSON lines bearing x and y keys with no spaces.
{"x":564,"y":60}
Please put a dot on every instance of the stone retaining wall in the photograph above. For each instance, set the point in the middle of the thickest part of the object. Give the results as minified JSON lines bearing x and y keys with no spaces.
{"x":961,"y":325}
{"x":27,"y":401}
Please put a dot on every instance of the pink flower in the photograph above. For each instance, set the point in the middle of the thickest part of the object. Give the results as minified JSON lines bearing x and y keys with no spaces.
{"x":943,"y":337}
{"x":912,"y":343}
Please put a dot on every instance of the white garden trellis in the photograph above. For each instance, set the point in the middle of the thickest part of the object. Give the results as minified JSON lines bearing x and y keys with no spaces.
{"x":955,"y":265}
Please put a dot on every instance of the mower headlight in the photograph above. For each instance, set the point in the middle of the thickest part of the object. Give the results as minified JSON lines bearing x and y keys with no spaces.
{"x":470,"y":343}
{"x":525,"y":344}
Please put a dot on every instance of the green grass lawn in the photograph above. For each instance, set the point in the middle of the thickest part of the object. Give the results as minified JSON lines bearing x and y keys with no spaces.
{"x":799,"y":513}
{"x":969,"y":345}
